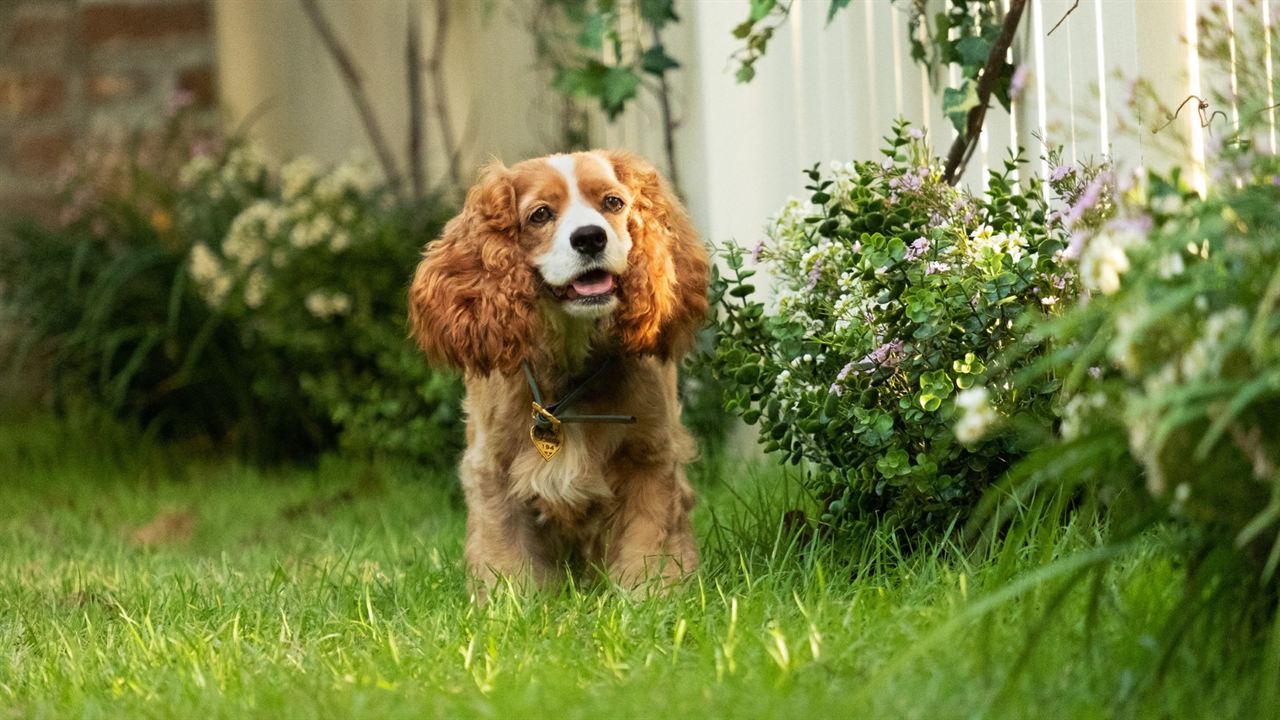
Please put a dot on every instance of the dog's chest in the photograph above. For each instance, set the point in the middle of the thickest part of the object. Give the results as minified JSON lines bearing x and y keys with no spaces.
{"x":574,"y":477}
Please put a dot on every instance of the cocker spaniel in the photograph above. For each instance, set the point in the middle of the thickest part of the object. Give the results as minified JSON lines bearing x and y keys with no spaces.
{"x":576,"y":279}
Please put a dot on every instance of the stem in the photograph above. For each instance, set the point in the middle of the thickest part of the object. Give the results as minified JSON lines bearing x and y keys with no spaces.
{"x":413,"y":72}
{"x":668,"y":122}
{"x":448,"y":139}
{"x":351,"y":76}
{"x":962,"y":148}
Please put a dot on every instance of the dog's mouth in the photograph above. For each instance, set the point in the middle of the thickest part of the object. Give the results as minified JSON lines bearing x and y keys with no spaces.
{"x":593,"y":287}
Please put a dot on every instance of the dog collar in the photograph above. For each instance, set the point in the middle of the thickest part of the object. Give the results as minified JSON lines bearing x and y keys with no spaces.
{"x":546,"y":432}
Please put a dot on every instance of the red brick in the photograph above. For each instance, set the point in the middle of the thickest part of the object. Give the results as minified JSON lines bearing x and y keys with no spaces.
{"x":200,"y":82}
{"x":30,"y":95}
{"x":41,"y":153}
{"x":124,"y":21}
{"x":105,"y":87}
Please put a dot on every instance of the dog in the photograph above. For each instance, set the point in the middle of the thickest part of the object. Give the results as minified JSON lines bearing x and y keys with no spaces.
{"x":579,"y":277}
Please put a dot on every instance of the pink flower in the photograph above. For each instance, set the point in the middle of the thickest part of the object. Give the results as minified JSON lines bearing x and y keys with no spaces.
{"x":1018,"y":82}
{"x":918,"y":248}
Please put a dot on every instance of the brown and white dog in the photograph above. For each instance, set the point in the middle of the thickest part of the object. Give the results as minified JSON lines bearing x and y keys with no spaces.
{"x":566,"y":262}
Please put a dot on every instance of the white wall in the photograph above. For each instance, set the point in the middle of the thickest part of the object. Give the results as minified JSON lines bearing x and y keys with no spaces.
{"x":822,"y":93}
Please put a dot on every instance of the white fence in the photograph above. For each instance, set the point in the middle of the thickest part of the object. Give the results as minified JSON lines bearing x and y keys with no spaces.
{"x":821,"y":93}
{"x":831,"y":92}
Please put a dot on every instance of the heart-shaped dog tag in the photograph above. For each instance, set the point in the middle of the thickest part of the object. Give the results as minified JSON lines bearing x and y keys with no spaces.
{"x":547,"y":441}
{"x":546,"y":432}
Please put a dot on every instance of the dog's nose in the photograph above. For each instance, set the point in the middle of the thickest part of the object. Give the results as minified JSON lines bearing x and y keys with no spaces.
{"x":588,"y":240}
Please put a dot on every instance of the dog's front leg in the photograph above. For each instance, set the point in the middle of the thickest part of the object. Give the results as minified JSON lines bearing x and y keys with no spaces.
{"x":503,"y":543}
{"x":651,"y":537}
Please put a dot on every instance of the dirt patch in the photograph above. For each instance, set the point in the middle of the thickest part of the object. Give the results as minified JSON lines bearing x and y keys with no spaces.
{"x":171,"y":527}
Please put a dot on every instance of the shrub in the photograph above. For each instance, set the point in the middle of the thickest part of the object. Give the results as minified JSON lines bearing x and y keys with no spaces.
{"x":894,"y":296}
{"x":198,"y":289}
{"x":1175,"y":360}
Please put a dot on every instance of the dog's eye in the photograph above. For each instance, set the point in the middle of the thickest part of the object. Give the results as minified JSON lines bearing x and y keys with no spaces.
{"x":613,"y":203}
{"x":542,"y":215}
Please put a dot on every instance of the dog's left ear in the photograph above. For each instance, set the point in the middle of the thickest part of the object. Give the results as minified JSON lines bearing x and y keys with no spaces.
{"x":471,"y":304}
{"x":664,"y":290}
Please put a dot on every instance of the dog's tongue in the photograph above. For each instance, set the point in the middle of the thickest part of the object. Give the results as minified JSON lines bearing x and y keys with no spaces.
{"x":593,"y":284}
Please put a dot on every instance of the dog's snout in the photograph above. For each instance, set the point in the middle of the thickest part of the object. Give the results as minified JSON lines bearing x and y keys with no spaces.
{"x":589,"y":240}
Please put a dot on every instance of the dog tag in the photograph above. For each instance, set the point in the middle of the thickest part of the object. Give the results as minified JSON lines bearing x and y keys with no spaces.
{"x":546,"y":440}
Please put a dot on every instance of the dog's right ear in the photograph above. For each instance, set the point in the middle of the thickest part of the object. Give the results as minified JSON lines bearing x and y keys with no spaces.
{"x":471,"y":305}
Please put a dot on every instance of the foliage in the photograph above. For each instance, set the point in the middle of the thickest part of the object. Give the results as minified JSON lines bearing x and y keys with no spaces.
{"x":1171,"y":368}
{"x":957,"y":32}
{"x":894,"y":296}
{"x":195,"y":288}
{"x":613,"y":46}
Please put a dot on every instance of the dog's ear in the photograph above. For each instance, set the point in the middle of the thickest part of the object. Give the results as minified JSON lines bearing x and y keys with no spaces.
{"x":664,"y":290}
{"x":471,"y":305}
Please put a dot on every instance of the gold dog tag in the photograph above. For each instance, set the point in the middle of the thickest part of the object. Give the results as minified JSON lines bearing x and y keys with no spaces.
{"x":546,"y":440}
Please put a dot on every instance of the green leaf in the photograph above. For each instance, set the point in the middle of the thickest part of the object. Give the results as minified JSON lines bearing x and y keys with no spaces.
{"x":593,"y":31}
{"x":656,"y":61}
{"x":835,"y":7}
{"x":743,"y":29}
{"x":658,"y":12}
{"x":745,"y":73}
{"x":973,"y":51}
{"x":761,"y":8}
{"x":620,"y":85}
{"x":957,"y":102}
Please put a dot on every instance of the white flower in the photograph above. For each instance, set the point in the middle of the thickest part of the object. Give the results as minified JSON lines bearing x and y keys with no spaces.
{"x":212,"y":279}
{"x":297,"y":176}
{"x":244,"y":242}
{"x":325,"y":305}
{"x":255,"y":289}
{"x":1049,"y":300}
{"x":1170,"y":265}
{"x":976,"y":414}
{"x":197,"y":169}
{"x":1205,"y":354}
{"x":1102,"y":264}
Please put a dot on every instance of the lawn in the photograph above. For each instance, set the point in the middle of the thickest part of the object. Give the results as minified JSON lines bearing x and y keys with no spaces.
{"x":146,"y":581}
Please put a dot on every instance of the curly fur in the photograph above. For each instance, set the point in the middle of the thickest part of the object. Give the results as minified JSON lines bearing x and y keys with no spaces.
{"x":471,"y":305}
{"x":665,"y":286}
{"x":616,"y":495}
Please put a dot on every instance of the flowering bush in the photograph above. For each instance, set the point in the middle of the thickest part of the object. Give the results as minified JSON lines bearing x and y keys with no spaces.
{"x":1176,"y":358}
{"x":208,"y":292}
{"x":313,"y":273}
{"x":894,"y":297}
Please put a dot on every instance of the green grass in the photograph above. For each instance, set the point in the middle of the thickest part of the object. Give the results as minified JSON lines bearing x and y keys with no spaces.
{"x":336,"y":591}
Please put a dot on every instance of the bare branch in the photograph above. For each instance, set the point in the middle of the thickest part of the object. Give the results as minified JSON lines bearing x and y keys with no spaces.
{"x":961,"y":149}
{"x":1206,"y":119}
{"x":1063,"y":19}
{"x":668,"y":121}
{"x":452,"y":148}
{"x":351,"y":76}
{"x":413,"y":75}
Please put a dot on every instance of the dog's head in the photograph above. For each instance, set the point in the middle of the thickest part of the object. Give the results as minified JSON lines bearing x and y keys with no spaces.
{"x":593,"y":239}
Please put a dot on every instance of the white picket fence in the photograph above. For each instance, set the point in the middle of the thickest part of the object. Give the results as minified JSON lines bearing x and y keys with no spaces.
{"x":832,"y":92}
{"x":821,"y":93}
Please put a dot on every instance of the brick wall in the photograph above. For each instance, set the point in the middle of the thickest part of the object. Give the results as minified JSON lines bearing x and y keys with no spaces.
{"x":75,"y":72}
